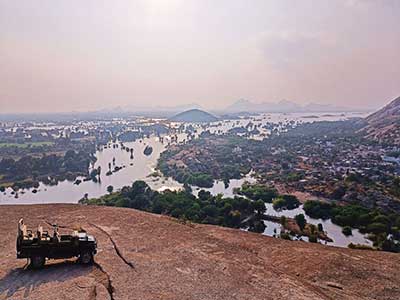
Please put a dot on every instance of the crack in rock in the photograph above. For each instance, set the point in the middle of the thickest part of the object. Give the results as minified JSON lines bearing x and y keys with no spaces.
{"x":108,"y":285}
{"x":128,"y":263}
{"x":93,"y":293}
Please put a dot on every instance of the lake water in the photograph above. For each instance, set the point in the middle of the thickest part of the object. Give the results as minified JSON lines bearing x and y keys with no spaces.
{"x":273,"y":229}
{"x":334,"y":231}
{"x":141,"y":166}
{"x":68,"y":192}
{"x":219,"y":186}
{"x":221,"y":127}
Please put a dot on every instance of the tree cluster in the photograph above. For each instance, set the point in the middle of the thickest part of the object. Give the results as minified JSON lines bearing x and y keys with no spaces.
{"x":237,"y":212}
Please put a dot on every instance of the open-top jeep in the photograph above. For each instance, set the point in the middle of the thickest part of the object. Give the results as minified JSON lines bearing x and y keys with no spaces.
{"x":41,"y":245}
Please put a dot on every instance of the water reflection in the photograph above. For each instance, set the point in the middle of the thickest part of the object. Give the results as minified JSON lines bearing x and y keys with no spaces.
{"x":334,"y":231}
{"x":138,"y":168}
{"x":273,"y":229}
{"x":219,"y":186}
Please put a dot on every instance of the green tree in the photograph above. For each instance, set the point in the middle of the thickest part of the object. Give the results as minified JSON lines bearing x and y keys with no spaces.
{"x":259,"y":207}
{"x":347,"y":231}
{"x":301,"y":221}
{"x":110,"y":189}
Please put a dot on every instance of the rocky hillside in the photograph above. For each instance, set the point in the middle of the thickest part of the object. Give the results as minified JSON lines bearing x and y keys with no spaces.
{"x":384,"y":125}
{"x":146,"y":256}
{"x":194,"y":116}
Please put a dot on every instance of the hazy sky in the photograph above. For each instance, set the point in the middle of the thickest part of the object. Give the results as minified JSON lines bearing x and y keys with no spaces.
{"x":86,"y":55}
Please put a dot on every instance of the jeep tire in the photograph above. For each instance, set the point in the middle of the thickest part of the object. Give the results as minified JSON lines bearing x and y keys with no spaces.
{"x":37,"y":261}
{"x":86,"y":257}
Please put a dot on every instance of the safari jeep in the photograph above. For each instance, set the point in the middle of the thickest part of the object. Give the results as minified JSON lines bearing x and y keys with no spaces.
{"x":39,"y":246}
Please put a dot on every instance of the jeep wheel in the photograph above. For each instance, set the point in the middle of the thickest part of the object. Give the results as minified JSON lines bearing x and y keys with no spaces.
{"x":86,"y":257}
{"x":38,"y":261}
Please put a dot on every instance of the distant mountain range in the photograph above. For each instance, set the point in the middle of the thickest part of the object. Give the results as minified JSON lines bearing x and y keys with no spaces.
{"x":241,"y":107}
{"x":384,"y":125}
{"x":283,"y":106}
{"x":194,"y":116}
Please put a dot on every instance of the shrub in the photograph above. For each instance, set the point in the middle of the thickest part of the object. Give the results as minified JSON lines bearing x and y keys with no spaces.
{"x":110,"y":189}
{"x":313,"y":238}
{"x":347,"y":231}
{"x":377,"y":228}
{"x":318,"y":209}
{"x":258,"y":192}
{"x":285,"y":236}
{"x":259,"y":206}
{"x":257,"y":226}
{"x":301,"y":221}
{"x":286,"y":202}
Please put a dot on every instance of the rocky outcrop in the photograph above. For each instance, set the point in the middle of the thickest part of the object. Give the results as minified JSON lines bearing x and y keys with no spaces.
{"x":384,"y":125}
{"x":194,"y":116}
{"x":146,"y":256}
